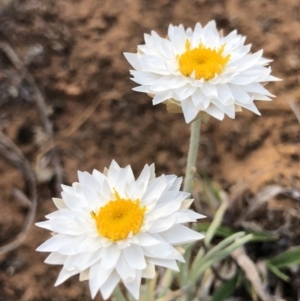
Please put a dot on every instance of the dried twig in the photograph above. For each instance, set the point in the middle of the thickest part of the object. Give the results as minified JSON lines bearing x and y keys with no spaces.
{"x":21,"y":197}
{"x":268,"y":192}
{"x":250,"y":270}
{"x":11,"y":152}
{"x":41,"y":106}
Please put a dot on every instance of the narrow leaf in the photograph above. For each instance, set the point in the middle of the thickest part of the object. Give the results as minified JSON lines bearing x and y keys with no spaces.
{"x":287,"y":258}
{"x":216,"y":222}
{"x":277,"y":272}
{"x":225,"y":289}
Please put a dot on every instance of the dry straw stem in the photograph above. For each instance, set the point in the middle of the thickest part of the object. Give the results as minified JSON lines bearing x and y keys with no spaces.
{"x":267,"y":193}
{"x":172,"y":295}
{"x":41,"y":106}
{"x":12,"y":153}
{"x":250,"y":270}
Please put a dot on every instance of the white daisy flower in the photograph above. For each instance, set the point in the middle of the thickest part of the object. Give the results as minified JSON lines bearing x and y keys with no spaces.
{"x":111,"y":227}
{"x":200,"y":71}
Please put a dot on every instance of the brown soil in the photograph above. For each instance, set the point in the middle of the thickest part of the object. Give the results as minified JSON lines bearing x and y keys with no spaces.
{"x":74,"y":50}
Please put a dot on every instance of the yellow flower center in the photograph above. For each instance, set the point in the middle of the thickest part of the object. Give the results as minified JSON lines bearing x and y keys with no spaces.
{"x":206,"y":62}
{"x":119,"y":217}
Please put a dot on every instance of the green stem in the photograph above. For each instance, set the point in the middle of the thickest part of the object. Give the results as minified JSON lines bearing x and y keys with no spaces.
{"x":118,"y":294}
{"x":192,"y":156}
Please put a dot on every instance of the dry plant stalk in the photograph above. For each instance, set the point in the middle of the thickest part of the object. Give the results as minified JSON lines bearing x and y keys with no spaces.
{"x":250,"y":270}
{"x":41,"y":106}
{"x":12,"y":153}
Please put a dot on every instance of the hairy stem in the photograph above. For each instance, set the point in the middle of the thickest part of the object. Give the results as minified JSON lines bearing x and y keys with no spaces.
{"x":192,"y":156}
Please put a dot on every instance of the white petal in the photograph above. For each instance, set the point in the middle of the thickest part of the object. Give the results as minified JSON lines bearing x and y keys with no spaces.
{"x":154,"y":190}
{"x":91,"y":196}
{"x":54,"y":243}
{"x":68,"y":189}
{"x":110,"y":284}
{"x":59,"y":203}
{"x":197,"y":35}
{"x":170,"y":264}
{"x":248,"y":61}
{"x":215,"y":112}
{"x":200,"y":100}
{"x":186,"y":203}
{"x":210,"y":30}
{"x":257,"y":88}
{"x":64,"y":275}
{"x":55,"y":258}
{"x":65,"y":226}
{"x":255,"y":96}
{"x":180,"y":234}
{"x":135,"y":257}
{"x":44,"y":224}
{"x":98,"y":276}
{"x":110,"y":256}
{"x":144,"y":89}
{"x":134,"y":286}
{"x":149,"y":271}
{"x":209,"y":90}
{"x":161,"y":97}
{"x":72,"y":246}
{"x":176,"y":185}
{"x":224,"y":94}
{"x":242,"y":80}
{"x":107,"y":191}
{"x":132,"y":59}
{"x":98,"y":176}
{"x":229,"y":110}
{"x":186,"y":216}
{"x":189,"y":110}
{"x":146,"y":239}
{"x":73,"y":202}
{"x":125,"y":272}
{"x":168,"y":82}
{"x":84,"y":275}
{"x":251,"y":107}
{"x":113,"y":171}
{"x":163,"y":250}
{"x":162,"y":224}
{"x":185,"y":92}
{"x":86,"y":260}
{"x":121,"y":184}
{"x":77,"y":187}
{"x":152,"y":171}
{"x":145,"y":78}
{"x":86,"y":179}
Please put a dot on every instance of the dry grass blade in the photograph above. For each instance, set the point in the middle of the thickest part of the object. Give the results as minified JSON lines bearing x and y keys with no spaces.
{"x":251,"y":272}
{"x":21,"y":197}
{"x":41,"y":106}
{"x":265,"y":194}
{"x":11,"y":152}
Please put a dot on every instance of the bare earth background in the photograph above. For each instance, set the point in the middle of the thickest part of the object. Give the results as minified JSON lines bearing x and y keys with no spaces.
{"x":73,"y":48}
